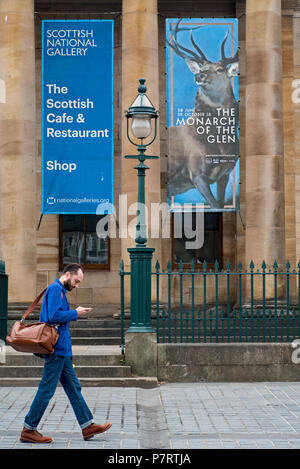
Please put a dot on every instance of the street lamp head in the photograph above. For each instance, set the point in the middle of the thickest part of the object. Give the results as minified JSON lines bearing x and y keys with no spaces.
{"x":141,"y":112}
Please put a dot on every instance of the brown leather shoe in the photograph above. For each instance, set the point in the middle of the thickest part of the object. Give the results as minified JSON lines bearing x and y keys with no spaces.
{"x":33,"y":436}
{"x":94,"y":429}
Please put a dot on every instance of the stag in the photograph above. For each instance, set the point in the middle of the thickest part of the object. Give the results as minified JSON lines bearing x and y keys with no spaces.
{"x":188,"y":166}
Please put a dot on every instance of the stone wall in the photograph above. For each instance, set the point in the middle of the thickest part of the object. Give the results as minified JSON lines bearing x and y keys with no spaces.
{"x":238,"y":362}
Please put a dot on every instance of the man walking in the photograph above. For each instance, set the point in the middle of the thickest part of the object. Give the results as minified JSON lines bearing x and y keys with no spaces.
{"x":58,"y":366}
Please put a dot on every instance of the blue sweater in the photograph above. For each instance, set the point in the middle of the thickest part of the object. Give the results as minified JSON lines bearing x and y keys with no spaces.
{"x":56,"y":310}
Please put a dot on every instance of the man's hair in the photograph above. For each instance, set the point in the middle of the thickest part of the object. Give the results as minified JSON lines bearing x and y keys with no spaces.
{"x":72,"y":268}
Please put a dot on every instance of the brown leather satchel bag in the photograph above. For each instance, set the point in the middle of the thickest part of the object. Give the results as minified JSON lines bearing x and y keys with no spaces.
{"x":38,"y":337}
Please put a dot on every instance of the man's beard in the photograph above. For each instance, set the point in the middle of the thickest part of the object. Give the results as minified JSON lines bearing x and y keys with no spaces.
{"x":67,"y":285}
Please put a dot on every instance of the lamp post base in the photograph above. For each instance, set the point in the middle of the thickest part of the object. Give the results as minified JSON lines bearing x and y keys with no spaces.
{"x":141,"y":353}
{"x":140,"y":316}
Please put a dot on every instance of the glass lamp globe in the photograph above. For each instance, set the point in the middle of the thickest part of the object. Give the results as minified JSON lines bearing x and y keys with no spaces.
{"x":141,"y":125}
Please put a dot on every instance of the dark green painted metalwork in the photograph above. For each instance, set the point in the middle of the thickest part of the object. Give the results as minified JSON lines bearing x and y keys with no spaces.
{"x":276,"y":326}
{"x":234,"y":325}
{"x":157,"y":268}
{"x":181,"y":326}
{"x":294,"y":323}
{"x":222,"y":324}
{"x":181,"y":299}
{"x":288,"y":298}
{"x":140,"y":289}
{"x":186,"y":326}
{"x":175,"y":328}
{"x":193,"y":299}
{"x":3,"y":301}
{"x":204,"y":265}
{"x":298,"y":298}
{"x":210,"y":324}
{"x":228,"y":301}
{"x":228,"y":321}
{"x":164,"y":326}
{"x":122,"y":275}
{"x":282,"y":323}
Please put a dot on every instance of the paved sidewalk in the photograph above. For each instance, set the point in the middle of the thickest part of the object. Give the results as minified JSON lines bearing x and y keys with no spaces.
{"x":195,"y":415}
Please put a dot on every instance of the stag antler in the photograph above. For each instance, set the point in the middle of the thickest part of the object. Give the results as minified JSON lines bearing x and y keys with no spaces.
{"x":227,"y":60}
{"x":204,"y":59}
{"x":201,"y":58}
{"x":176,"y":46}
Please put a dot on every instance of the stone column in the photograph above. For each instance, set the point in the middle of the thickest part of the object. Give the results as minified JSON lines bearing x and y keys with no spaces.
{"x":18,"y":148}
{"x":296,"y":103}
{"x":139,"y":60}
{"x":265,"y":215}
{"x":289,"y":146}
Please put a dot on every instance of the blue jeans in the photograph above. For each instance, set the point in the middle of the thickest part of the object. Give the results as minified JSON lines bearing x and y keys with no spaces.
{"x":58,"y":368}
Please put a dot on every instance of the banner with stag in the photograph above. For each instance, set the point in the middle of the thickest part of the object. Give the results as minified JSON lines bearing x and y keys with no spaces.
{"x":202,"y":114}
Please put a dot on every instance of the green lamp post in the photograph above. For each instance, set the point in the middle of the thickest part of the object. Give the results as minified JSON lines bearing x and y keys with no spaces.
{"x":140,"y":115}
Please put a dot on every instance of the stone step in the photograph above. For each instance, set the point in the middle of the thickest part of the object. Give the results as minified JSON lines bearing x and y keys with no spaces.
{"x":102,"y":323}
{"x":147,"y":383}
{"x":95,"y":332}
{"x":21,"y":307}
{"x":85,"y":340}
{"x":127,"y":315}
{"x":7,"y":371}
{"x":97,"y":340}
{"x":11,"y":318}
{"x":22,"y":359}
{"x":93,"y":322}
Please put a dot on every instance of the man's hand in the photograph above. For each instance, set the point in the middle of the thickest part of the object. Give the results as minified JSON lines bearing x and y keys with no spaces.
{"x":82,"y":311}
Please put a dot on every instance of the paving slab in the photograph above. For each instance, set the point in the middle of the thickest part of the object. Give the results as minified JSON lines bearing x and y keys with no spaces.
{"x":172,"y":416}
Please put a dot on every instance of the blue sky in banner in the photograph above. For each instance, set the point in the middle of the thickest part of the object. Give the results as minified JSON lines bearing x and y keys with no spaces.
{"x":181,"y":86}
{"x":77,"y":150}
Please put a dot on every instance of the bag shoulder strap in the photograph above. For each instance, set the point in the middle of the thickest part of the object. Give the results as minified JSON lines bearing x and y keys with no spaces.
{"x":33,"y":305}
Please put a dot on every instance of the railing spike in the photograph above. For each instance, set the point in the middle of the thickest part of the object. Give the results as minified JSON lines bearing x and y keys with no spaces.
{"x":157,"y":265}
{"x":251,"y":265}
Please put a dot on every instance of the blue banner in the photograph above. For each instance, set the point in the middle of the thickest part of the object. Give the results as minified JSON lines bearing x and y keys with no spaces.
{"x":77,"y":115}
{"x":202,"y":114}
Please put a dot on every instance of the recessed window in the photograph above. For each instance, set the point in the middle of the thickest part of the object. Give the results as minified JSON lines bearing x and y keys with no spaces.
{"x":78,"y":242}
{"x":212,"y":246}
